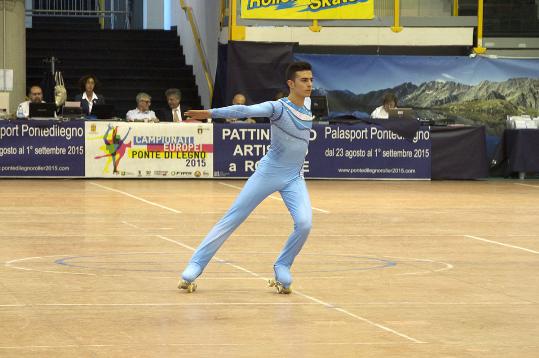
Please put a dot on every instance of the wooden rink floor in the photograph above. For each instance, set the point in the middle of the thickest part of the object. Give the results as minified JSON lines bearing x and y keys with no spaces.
{"x":391,"y":269}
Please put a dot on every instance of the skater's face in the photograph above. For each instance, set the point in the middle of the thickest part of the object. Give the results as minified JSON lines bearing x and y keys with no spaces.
{"x":302,"y":84}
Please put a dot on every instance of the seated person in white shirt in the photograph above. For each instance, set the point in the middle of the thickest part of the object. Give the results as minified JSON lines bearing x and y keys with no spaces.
{"x":89,"y":98}
{"x":173,"y":113}
{"x":142,"y":113}
{"x":389,"y":102}
{"x":35,"y":95}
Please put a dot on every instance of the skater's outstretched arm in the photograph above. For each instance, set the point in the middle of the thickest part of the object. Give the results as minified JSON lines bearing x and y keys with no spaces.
{"x":265,"y":109}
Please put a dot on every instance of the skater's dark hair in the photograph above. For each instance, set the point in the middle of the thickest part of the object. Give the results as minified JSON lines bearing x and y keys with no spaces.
{"x":295,"y":67}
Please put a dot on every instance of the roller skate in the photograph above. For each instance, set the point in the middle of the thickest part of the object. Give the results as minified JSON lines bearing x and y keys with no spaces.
{"x":187,"y":282}
{"x":279,"y":286}
{"x":186,"y":285}
{"x":282,"y":281}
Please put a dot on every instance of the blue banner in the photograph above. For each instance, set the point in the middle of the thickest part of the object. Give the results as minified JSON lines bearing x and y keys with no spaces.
{"x":41,"y":148}
{"x":240,"y":146}
{"x":368,"y":152}
{"x":358,"y":151}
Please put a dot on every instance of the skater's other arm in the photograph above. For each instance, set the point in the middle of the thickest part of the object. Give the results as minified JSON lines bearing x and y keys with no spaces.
{"x":265,"y":109}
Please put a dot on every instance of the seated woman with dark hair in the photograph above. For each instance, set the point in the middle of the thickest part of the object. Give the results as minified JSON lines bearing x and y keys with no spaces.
{"x":89,"y":98}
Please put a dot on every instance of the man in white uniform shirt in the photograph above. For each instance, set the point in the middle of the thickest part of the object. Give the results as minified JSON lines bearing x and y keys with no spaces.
{"x":35,"y":95}
{"x":389,"y":102}
{"x":142,"y":113}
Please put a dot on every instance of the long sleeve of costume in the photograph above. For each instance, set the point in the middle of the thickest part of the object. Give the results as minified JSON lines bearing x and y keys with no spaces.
{"x":265,"y":109}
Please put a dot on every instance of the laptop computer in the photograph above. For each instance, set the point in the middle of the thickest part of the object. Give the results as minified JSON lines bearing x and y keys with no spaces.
{"x":72,"y":110}
{"x":319,"y":107}
{"x":42,"y":110}
{"x":102,"y":111}
{"x":402,"y":113}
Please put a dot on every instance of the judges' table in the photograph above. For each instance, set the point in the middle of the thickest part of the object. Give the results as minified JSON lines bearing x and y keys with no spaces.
{"x":169,"y":150}
{"x":459,"y":153}
{"x":521,"y":149}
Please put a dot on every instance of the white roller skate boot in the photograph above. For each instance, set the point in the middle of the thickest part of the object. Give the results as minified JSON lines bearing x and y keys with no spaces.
{"x":282,"y":281}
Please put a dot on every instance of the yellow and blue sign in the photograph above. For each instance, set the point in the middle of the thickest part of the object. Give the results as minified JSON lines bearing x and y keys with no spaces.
{"x":307,"y":9}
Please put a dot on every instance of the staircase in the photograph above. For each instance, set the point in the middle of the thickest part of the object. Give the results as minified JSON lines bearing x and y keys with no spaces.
{"x":124,"y":61}
{"x":502,"y":18}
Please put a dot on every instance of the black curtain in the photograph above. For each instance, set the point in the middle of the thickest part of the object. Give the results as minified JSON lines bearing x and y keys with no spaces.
{"x":219,"y":88}
{"x":47,"y":86}
{"x":459,"y":153}
{"x":257,"y":70}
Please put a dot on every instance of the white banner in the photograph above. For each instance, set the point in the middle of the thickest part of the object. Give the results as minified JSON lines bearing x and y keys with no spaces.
{"x":149,"y":150}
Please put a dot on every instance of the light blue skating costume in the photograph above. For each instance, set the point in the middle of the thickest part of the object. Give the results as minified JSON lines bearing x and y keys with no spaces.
{"x":279,"y":170}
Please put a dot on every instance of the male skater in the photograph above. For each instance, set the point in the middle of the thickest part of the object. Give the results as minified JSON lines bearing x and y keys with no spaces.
{"x":281,"y":169}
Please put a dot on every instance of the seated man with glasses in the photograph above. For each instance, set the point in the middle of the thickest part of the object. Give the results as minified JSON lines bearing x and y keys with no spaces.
{"x":142,"y":113}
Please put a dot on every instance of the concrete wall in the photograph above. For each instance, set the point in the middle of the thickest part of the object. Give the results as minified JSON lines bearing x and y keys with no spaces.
{"x":206,"y":14}
{"x":13,"y":48}
{"x":153,"y":14}
{"x":426,"y":7}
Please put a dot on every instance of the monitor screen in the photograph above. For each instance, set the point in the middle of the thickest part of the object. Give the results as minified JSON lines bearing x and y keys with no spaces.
{"x":102,"y":111}
{"x":401,"y":113}
{"x":319,"y":107}
{"x":42,"y":110}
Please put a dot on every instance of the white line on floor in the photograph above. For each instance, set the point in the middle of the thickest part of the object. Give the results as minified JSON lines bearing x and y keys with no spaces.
{"x":314,"y":299}
{"x":136,"y":197}
{"x":130,"y":224}
{"x":125,"y":346}
{"x":180,"y":304}
{"x":501,"y":244}
{"x":528,"y":185}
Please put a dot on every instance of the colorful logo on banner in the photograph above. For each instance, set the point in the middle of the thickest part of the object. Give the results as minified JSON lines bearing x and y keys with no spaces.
{"x":149,"y":150}
{"x":307,"y":9}
{"x":114,"y":148}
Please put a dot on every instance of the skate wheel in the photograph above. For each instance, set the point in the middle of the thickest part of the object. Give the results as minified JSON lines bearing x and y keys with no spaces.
{"x":192,"y":287}
{"x":186,"y":285}
{"x":285,"y":290}
{"x":183,"y":284}
{"x":279,"y":286}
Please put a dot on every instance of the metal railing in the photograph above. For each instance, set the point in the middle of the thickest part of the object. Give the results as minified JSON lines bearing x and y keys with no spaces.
{"x":112,"y":14}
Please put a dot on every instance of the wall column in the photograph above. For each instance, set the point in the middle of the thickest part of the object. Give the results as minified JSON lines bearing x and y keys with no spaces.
{"x":13,"y":47}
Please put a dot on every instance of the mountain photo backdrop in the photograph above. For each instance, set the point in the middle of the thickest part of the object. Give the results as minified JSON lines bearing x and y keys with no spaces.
{"x":448,"y":90}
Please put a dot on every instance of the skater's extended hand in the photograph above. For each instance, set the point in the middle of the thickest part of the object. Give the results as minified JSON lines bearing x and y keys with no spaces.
{"x":197,"y":114}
